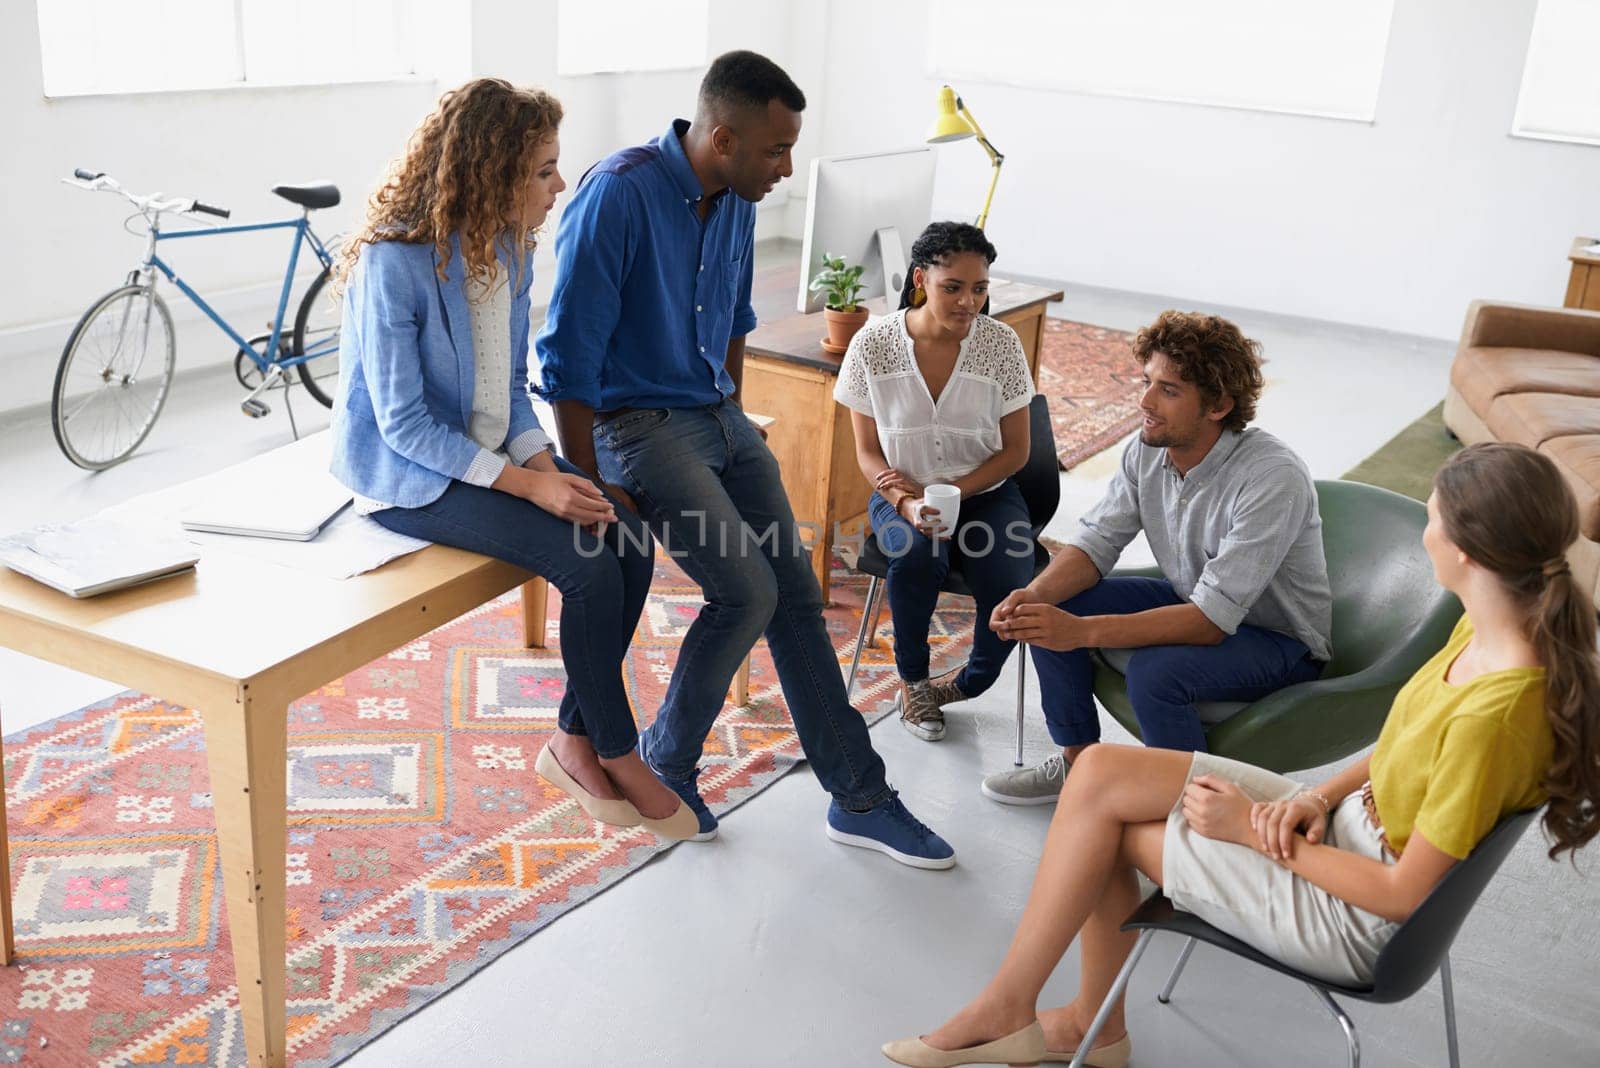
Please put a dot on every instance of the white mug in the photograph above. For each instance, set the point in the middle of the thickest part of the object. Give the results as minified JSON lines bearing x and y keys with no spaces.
{"x":946,"y":499}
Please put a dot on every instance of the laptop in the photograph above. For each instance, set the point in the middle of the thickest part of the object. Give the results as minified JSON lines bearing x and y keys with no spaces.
{"x":286,"y":494}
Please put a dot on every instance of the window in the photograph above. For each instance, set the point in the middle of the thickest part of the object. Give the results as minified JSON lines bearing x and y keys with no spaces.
{"x":1310,"y":59}
{"x":1560,"y":98}
{"x":630,"y":35}
{"x":112,"y":46}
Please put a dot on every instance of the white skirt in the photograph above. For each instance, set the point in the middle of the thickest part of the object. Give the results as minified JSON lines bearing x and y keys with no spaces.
{"x":1249,"y":896}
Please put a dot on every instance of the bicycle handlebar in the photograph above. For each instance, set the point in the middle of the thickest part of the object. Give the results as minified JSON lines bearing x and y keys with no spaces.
{"x":155,"y":202}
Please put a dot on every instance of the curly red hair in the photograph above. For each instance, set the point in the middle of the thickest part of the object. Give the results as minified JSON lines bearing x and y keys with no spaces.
{"x":462,"y":173}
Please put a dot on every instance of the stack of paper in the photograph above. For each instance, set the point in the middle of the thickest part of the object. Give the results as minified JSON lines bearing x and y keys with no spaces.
{"x":95,"y":555}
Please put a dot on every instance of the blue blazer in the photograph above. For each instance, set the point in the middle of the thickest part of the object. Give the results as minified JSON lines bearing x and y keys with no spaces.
{"x":407,"y":372}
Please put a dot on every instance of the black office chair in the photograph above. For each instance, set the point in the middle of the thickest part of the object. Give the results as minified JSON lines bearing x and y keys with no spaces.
{"x":1040,"y":482}
{"x":1420,"y":947}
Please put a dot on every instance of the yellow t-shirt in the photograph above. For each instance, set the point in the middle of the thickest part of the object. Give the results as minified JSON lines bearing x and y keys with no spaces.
{"x":1451,"y":761}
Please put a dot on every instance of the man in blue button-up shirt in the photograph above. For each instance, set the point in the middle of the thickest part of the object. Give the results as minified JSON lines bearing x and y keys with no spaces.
{"x":641,"y":356}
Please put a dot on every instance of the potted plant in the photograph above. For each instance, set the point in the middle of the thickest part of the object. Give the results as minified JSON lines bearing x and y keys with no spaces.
{"x":842,"y":313}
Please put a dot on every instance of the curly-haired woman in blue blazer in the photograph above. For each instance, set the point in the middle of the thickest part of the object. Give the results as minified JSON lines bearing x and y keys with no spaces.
{"x":435,"y":432}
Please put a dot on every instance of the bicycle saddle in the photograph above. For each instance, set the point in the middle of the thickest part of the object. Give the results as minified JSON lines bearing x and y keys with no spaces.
{"x":310,"y":195}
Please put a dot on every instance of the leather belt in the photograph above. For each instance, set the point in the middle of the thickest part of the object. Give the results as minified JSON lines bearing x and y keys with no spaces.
{"x":1372,"y":814}
{"x":606,"y":417}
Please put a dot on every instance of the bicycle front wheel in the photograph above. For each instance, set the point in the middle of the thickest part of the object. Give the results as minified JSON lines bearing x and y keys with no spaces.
{"x":316,"y":336}
{"x":113,"y":378}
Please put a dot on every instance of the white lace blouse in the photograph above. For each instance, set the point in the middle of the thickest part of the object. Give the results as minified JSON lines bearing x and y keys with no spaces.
{"x":928,"y":441}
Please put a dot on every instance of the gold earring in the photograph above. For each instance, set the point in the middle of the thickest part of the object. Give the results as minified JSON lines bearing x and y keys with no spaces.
{"x":919,"y":297}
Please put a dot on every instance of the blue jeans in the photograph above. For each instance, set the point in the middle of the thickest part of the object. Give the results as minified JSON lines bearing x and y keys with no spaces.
{"x":1164,"y":681}
{"x":993,"y":550}
{"x":603,"y":590}
{"x":710,"y":489}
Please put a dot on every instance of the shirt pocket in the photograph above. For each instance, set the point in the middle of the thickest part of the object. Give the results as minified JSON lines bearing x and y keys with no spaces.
{"x":732,"y":272}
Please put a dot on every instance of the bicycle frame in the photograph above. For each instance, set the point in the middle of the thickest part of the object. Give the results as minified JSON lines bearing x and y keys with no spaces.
{"x":303,"y":234}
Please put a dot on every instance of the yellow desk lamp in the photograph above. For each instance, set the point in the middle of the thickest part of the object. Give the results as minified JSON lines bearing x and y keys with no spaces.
{"x":955,"y":123}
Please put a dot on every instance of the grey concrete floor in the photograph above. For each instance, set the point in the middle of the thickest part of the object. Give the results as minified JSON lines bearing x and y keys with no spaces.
{"x":774,"y":946}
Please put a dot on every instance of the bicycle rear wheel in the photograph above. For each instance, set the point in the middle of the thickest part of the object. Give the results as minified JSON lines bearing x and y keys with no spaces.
{"x":113,"y":378}
{"x":316,"y":334}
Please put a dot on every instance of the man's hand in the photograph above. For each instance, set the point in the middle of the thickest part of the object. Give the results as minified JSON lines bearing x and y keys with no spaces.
{"x":1008,"y":607}
{"x":1044,"y":625}
{"x":1218,"y":809}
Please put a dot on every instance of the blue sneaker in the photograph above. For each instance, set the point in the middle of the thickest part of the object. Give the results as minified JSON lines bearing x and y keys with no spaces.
{"x":891,"y":828}
{"x":686,"y":789}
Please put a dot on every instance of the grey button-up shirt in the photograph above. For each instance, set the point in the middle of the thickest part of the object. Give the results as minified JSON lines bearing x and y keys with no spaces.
{"x":1240,"y":536}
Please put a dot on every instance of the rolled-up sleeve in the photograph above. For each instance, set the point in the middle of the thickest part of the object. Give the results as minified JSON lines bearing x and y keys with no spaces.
{"x":594,"y":248}
{"x":1271,"y":511}
{"x":484,"y":469}
{"x":744,"y":312}
{"x":1107,"y":528}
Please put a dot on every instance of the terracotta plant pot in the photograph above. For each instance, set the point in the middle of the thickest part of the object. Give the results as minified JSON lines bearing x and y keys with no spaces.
{"x":842,"y":326}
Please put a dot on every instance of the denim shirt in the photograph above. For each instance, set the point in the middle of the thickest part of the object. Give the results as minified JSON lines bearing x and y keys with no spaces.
{"x":1240,"y":536}
{"x":647,"y":296}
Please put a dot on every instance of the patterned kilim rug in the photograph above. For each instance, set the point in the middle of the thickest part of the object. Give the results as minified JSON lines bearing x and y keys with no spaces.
{"x":421,"y":844}
{"x":1090,"y":376}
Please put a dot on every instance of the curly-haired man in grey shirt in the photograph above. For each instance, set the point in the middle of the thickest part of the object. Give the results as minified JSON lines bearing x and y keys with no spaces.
{"x":1243,"y":606}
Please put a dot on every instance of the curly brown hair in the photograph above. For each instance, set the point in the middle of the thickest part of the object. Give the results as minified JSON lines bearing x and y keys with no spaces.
{"x":463,"y":172}
{"x":1213,"y":354}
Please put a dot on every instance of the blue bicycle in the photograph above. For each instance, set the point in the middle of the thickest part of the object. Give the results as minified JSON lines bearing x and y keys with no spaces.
{"x":117,"y":366}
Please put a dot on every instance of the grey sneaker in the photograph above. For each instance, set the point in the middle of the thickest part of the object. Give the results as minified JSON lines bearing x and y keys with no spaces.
{"x":919,"y":710}
{"x":1039,"y":785}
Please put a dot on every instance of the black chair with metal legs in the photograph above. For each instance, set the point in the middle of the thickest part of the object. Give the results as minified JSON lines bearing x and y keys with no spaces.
{"x":1040,"y":482}
{"x":1420,"y":947}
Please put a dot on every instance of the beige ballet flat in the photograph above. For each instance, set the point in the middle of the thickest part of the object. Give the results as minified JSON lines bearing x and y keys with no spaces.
{"x":681,"y":826}
{"x":615,"y":812}
{"x":1024,"y":1047}
{"x":1111,"y":1055}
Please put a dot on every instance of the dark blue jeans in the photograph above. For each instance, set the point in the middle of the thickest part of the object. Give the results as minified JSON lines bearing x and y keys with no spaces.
{"x":603,"y":589}
{"x":1164,"y":681}
{"x":992,"y":547}
{"x":711,"y":491}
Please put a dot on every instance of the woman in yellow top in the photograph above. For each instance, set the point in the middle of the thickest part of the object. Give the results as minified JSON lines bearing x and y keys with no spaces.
{"x":1504,"y":718}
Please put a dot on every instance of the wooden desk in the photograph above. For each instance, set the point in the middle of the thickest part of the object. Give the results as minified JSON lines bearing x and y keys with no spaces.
{"x":238,"y":640}
{"x":1583,"y":284}
{"x":787,"y":374}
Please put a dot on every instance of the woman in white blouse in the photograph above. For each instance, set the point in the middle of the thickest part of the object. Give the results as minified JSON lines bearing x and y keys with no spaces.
{"x":939,"y":393}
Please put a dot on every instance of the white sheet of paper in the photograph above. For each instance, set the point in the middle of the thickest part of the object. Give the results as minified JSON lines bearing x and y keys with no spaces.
{"x":349,"y":545}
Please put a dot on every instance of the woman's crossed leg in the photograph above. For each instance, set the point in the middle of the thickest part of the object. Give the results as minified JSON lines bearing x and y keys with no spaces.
{"x":1110,"y":821}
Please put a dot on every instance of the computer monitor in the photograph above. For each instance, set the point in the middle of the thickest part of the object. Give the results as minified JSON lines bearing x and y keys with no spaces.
{"x":868,"y":209}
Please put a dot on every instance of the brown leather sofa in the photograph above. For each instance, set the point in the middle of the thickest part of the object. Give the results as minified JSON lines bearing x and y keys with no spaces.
{"x":1532,"y":375}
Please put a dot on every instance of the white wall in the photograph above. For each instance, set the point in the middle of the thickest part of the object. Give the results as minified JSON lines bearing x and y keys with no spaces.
{"x":604,"y":112}
{"x":228,"y":148}
{"x":1397,"y":224}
